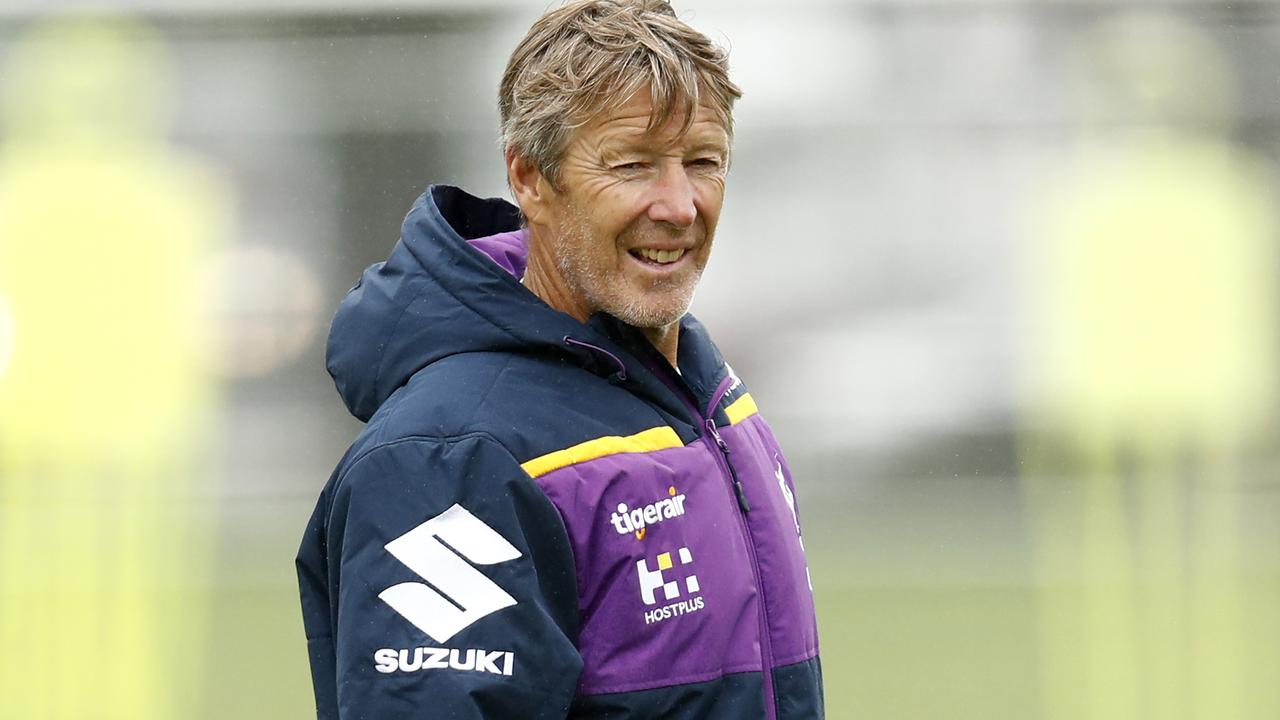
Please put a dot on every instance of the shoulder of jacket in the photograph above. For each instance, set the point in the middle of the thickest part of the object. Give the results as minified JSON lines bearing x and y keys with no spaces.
{"x":363,"y":452}
{"x":509,"y":396}
{"x":441,"y":400}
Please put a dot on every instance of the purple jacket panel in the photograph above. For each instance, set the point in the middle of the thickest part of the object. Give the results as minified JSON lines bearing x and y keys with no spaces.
{"x":793,"y":630}
{"x":664,"y":577}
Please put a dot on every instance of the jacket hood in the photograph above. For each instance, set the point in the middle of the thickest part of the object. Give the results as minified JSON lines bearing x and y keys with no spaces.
{"x":450,"y":286}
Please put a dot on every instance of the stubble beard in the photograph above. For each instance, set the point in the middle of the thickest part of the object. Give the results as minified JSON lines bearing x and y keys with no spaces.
{"x":603,"y":292}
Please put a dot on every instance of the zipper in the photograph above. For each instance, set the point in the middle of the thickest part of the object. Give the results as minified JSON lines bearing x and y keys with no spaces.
{"x":726,"y":465}
{"x":766,"y":647}
{"x":728,"y":462}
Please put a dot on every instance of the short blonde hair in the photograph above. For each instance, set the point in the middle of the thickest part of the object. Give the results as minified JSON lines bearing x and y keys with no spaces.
{"x":593,"y":54}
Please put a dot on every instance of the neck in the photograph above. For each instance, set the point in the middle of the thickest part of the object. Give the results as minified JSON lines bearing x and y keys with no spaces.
{"x":542,"y":278}
{"x":665,"y":339}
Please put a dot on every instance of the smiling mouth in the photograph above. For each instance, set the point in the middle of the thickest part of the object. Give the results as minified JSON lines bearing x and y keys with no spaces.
{"x":657,"y":257}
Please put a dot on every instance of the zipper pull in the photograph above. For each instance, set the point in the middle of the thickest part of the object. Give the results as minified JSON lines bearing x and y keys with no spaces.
{"x":714,"y":432}
{"x":738,"y":490}
{"x":715,"y":435}
{"x":742,"y":496}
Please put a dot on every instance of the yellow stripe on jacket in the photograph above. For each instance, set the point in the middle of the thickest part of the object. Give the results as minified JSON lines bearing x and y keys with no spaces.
{"x":741,"y":409}
{"x":658,"y":438}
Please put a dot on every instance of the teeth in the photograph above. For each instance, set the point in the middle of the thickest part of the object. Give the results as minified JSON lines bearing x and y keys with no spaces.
{"x":660,"y":256}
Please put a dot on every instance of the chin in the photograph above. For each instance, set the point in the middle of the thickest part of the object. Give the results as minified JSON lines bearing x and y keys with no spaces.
{"x":652,"y":323}
{"x":649,"y":314}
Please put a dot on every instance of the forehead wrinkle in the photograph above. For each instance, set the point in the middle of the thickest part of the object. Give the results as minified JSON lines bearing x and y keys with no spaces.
{"x":627,"y":128}
{"x":702,"y":133}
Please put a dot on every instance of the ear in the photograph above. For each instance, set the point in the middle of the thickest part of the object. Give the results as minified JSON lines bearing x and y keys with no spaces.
{"x":532,"y":191}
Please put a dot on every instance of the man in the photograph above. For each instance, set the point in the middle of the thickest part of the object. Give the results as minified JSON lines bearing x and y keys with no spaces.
{"x":565,"y":504}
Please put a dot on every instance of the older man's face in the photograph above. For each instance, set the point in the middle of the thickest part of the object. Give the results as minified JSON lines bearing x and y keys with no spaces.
{"x":636,"y":215}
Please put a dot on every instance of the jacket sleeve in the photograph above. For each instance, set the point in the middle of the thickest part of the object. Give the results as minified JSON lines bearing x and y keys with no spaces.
{"x":451,"y":584}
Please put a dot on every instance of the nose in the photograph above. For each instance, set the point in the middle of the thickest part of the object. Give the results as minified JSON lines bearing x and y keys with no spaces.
{"x":672,"y":199}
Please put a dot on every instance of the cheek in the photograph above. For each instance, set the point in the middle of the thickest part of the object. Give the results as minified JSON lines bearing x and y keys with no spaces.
{"x":613,"y":224}
{"x":709,"y":198}
{"x":599,"y":239}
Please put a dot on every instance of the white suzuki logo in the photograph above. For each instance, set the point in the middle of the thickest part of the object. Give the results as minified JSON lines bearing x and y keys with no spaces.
{"x":459,"y":594}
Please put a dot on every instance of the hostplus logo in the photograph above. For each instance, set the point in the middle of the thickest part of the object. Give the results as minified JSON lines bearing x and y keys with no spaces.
{"x":637,"y":521}
{"x":651,"y":581}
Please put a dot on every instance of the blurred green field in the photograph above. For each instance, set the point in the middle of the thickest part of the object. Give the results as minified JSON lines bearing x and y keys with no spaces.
{"x":918,"y":653}
{"x":926,"y":601}
{"x":909,"y":653}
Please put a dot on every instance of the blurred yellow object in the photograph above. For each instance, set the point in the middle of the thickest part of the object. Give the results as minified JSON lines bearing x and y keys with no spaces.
{"x":1158,"y":292}
{"x":104,"y":408}
{"x":1156,"y":364}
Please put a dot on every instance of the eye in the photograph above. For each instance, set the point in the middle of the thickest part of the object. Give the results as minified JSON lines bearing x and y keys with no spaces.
{"x":709,"y":163}
{"x":631,"y":166}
